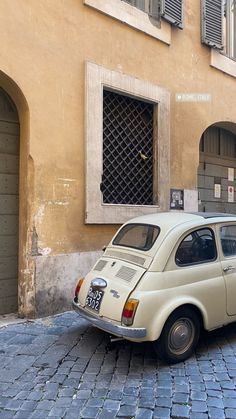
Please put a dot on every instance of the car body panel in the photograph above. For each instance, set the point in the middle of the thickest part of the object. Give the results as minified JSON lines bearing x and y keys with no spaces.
{"x":160,"y":284}
{"x":163,"y":292}
{"x":229,"y":273}
{"x":121,"y":278}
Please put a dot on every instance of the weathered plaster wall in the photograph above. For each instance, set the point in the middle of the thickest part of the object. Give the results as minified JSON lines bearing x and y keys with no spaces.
{"x":44,"y":46}
{"x":55,"y":279}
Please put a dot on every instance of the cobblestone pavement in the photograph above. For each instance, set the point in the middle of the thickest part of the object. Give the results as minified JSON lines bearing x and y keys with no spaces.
{"x":60,"y":367}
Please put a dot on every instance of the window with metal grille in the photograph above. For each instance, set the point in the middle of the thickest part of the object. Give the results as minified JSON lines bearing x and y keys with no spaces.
{"x":127,"y":150}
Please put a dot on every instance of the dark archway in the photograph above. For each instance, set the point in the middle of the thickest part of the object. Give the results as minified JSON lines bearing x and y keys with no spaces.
{"x":217,"y":168}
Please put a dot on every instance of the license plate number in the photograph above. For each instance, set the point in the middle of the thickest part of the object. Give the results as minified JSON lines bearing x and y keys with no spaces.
{"x":94,"y":298}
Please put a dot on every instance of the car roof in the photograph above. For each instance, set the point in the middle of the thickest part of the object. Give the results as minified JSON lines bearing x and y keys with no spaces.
{"x":213,"y":214}
{"x":168,"y":220}
{"x":176,"y":224}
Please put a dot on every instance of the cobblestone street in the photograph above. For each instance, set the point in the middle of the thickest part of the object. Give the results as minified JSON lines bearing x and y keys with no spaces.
{"x":59,"y":367}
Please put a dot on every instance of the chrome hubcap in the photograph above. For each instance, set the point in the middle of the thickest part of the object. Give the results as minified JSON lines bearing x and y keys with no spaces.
{"x":181,"y":336}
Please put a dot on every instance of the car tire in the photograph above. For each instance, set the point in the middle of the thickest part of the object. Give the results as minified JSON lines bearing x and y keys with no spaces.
{"x":179,"y":336}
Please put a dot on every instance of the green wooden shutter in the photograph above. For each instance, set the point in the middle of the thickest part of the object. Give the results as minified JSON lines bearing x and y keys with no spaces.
{"x":173,"y":11}
{"x":212,"y":14}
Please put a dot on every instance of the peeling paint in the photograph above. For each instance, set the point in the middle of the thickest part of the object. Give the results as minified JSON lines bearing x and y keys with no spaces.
{"x":26,"y":271}
{"x":58,"y":203}
{"x":40,"y":214}
{"x":34,"y":242}
{"x":67,"y":180}
{"x":57,"y":276}
{"x":36,"y":248}
{"x":44,"y":251}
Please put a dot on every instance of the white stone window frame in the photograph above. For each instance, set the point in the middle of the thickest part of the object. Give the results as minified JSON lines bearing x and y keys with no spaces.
{"x":230,"y":29}
{"x":225,"y":60}
{"x":133,"y":17}
{"x":223,"y":63}
{"x":98,"y":78}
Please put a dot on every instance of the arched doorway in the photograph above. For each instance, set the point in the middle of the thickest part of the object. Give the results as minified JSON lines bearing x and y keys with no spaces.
{"x":9,"y":204}
{"x":217,"y":169}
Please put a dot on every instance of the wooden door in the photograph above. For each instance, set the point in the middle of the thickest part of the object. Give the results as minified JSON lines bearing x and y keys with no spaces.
{"x":9,"y":204}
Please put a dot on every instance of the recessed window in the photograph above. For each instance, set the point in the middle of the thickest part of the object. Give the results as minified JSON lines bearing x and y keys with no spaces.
{"x":127,"y":146}
{"x":198,"y":247}
{"x":127,"y":150}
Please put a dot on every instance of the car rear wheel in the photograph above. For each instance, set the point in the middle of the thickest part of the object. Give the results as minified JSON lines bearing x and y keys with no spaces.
{"x":179,"y":336}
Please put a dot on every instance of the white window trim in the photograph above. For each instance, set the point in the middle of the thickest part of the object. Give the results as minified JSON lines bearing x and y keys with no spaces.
{"x":133,"y":17}
{"x":230,"y":29}
{"x":96,"y":78}
{"x":223,"y":63}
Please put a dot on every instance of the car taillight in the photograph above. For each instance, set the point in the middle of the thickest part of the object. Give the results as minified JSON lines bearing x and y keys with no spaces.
{"x":77,"y":288}
{"x":129,"y":311}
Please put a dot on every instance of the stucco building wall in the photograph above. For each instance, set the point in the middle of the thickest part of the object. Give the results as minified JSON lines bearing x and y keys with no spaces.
{"x":43,"y":54}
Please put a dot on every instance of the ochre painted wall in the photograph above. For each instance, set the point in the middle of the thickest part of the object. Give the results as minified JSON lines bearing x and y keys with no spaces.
{"x":44,"y":47}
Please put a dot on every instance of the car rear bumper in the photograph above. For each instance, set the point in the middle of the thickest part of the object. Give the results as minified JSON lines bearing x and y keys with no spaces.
{"x":108,"y":326}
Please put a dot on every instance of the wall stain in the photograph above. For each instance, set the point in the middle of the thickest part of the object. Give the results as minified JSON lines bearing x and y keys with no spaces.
{"x":34,"y":243}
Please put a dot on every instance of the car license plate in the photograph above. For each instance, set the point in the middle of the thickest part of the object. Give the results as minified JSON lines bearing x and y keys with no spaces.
{"x":94,"y":298}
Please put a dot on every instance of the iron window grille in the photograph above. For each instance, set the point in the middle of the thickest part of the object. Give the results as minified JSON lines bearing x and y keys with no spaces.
{"x":127,"y":150}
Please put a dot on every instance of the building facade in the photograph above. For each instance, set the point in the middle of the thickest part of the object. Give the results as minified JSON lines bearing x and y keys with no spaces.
{"x":108,"y":109}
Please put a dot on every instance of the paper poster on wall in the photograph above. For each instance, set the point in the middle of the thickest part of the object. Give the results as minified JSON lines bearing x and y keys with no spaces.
{"x":217,"y":191}
{"x":230,"y":194}
{"x":231,"y":174}
{"x":177,"y":199}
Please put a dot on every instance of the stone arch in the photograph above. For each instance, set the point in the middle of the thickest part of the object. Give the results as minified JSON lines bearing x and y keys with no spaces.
{"x":217,"y":168}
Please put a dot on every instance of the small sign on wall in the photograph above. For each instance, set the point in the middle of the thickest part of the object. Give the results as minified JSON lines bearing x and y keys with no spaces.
{"x":230,"y":194}
{"x":231,"y":174}
{"x":217,"y":190}
{"x":177,"y":199}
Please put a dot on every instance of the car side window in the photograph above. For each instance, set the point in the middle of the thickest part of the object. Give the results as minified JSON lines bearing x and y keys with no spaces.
{"x":198,"y":247}
{"x":228,"y":240}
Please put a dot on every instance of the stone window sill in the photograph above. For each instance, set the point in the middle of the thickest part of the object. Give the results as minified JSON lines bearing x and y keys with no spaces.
{"x":132,"y":17}
{"x":223,"y":63}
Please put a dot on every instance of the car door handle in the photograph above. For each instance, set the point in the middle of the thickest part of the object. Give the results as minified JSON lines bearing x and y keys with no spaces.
{"x":228,"y":269}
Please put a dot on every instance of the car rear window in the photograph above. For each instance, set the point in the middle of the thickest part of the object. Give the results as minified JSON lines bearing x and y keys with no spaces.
{"x":137,"y":236}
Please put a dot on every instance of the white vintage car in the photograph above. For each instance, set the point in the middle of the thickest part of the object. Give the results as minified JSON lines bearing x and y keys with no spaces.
{"x":162,"y":278}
